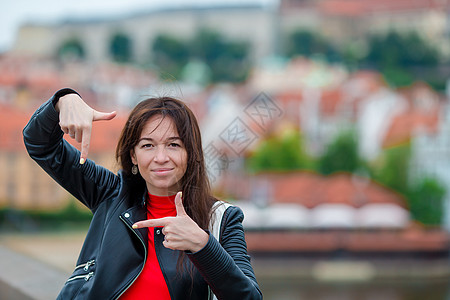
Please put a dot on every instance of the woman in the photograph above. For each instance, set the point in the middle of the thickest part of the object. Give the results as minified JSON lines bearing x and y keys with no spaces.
{"x":148,"y":237}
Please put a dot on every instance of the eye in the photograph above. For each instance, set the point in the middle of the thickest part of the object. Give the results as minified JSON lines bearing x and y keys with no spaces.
{"x":146,"y":145}
{"x":174,"y":145}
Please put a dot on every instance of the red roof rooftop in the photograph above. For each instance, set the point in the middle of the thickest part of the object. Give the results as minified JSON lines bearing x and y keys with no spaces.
{"x":105,"y":134}
{"x":311,"y":189}
{"x":366,"y":7}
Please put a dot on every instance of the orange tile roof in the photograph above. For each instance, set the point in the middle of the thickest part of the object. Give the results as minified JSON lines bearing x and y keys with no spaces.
{"x":357,"y":8}
{"x":285,"y":97}
{"x":302,"y":187}
{"x":342,"y":7}
{"x":371,"y":80}
{"x":310,"y":189}
{"x":330,"y":101}
{"x":105,"y":134}
{"x":33,"y":73}
{"x":12,"y":122}
{"x":404,"y":125}
{"x":419,"y":93}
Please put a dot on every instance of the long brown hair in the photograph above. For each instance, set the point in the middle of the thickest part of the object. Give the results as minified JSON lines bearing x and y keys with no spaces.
{"x":197,"y":199}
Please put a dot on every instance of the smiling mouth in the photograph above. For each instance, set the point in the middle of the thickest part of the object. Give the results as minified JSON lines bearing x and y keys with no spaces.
{"x":162,"y":170}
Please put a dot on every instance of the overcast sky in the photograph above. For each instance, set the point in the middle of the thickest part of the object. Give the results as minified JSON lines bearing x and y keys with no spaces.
{"x":16,"y":12}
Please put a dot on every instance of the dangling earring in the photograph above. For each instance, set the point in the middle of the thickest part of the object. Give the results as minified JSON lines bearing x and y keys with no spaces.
{"x":134,"y":170}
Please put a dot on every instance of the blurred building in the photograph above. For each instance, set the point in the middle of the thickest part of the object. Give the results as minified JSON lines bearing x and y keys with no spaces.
{"x":26,"y":83}
{"x":350,"y":21}
{"x":319,"y":99}
{"x":306,"y":213}
{"x":250,"y":23}
{"x":305,"y":200}
{"x":23,"y":184}
{"x":344,"y":22}
{"x":431,"y":153}
{"x":325,"y":100}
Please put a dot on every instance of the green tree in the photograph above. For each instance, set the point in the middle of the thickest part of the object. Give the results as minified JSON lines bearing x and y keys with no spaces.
{"x":170,"y":54}
{"x":228,"y":60}
{"x":426,"y":202}
{"x":280,"y":153}
{"x":402,"y":58}
{"x":121,"y":48}
{"x":392,"y":168}
{"x":401,"y":50}
{"x":425,"y":199}
{"x":308,"y":43}
{"x":71,"y":49}
{"x":341,"y":155}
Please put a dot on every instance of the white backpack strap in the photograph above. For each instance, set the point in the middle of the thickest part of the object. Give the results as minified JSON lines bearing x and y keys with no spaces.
{"x":218,"y":208}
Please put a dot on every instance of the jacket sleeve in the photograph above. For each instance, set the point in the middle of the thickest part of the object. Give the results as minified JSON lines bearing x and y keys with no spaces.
{"x":226,"y":265}
{"x":44,"y":142}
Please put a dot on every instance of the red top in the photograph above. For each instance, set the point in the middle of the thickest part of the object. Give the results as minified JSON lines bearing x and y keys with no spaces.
{"x":151,"y":284}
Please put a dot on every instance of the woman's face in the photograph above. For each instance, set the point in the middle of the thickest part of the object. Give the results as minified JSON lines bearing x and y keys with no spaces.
{"x":160,"y":156}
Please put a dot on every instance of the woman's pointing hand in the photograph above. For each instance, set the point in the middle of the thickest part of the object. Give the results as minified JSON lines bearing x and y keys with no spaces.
{"x":181,"y":232}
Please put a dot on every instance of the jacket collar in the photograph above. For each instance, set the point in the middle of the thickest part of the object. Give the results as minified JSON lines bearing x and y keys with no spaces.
{"x":137,"y":213}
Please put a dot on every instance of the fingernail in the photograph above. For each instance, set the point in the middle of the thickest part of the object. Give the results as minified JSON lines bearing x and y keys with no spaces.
{"x":135,"y":226}
{"x":82,"y":161}
{"x":181,"y":195}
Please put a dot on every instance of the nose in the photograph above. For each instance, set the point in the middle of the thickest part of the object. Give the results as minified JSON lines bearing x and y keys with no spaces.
{"x":161,"y":155}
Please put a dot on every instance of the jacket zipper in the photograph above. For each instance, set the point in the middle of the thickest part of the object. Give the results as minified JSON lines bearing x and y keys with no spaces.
{"x":86,"y":277}
{"x":145,"y":257}
{"x":86,"y":265}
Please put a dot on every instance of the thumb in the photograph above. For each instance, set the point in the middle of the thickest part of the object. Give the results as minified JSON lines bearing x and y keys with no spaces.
{"x":102,"y":116}
{"x":179,"y":204}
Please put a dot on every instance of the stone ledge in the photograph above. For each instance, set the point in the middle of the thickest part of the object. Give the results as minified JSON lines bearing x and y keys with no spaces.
{"x":24,"y":278}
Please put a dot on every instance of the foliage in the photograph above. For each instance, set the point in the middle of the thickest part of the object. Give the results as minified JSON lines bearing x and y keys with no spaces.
{"x":121,"y":48}
{"x":70,"y":216}
{"x":227,"y":60}
{"x":425,"y":199}
{"x":341,"y":155}
{"x":170,"y":54}
{"x":392,"y":168}
{"x":426,"y":202}
{"x":397,"y":56}
{"x":400,"y":50}
{"x":71,"y":49}
{"x":397,"y":77}
{"x":286,"y":152}
{"x":280,"y":153}
{"x":307,"y":43}
{"x":71,"y":213}
{"x":402,"y":58}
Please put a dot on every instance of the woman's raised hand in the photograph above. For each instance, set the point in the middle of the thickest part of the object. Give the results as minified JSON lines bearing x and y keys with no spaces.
{"x":75,"y":119}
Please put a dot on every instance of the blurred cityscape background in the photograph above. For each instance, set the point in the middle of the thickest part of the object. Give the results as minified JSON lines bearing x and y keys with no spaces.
{"x":326,"y":121}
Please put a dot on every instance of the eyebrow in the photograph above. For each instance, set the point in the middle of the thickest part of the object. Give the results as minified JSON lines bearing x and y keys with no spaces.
{"x":173,"y":138}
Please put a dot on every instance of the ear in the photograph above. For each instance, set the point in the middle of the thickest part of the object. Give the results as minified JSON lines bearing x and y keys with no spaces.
{"x":133,"y":157}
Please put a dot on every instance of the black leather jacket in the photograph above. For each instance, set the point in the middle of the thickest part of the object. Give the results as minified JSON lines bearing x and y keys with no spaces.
{"x":113,"y":254}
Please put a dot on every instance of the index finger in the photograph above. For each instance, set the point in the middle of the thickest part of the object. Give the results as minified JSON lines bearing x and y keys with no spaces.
{"x":85,"y":142}
{"x":152,"y":223}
